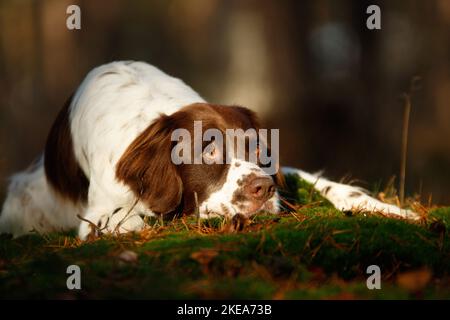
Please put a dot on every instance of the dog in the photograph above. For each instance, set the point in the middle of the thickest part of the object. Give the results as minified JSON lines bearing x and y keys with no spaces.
{"x":108,"y":161}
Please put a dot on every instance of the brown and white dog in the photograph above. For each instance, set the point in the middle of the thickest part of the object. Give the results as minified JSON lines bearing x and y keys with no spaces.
{"x":108,"y":160}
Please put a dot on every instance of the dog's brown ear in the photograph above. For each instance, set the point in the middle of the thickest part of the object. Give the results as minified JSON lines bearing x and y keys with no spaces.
{"x":249,"y":115}
{"x":146,"y":167}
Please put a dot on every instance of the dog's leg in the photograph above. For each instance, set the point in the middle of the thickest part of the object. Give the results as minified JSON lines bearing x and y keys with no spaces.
{"x":98,"y":221}
{"x":106,"y":216}
{"x":349,"y":198}
{"x":32,"y":206}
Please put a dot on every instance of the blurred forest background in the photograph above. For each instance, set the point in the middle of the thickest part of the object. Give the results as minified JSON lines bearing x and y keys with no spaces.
{"x":310,"y":68}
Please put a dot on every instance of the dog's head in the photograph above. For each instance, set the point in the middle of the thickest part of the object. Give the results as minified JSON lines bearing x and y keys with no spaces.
{"x":203,"y":155}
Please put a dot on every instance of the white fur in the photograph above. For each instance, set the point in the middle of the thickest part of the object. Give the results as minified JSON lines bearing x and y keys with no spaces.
{"x":107,"y":113}
{"x":340,"y":196}
{"x":222,"y":198}
{"x":112,"y":106}
{"x":31,"y":205}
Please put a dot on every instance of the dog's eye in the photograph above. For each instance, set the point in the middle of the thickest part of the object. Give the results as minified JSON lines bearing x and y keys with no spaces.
{"x":211,"y":153}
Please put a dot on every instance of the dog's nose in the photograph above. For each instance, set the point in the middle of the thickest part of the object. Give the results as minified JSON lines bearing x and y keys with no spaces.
{"x":261,"y":188}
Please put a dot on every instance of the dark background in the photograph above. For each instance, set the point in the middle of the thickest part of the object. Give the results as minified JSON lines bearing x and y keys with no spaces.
{"x":310,"y":68}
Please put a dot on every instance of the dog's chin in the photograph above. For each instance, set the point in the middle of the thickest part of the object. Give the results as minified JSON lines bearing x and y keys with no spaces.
{"x":260,"y":210}
{"x":270,"y":206}
{"x":256,"y":208}
{"x":253,"y":210}
{"x":245,"y":209}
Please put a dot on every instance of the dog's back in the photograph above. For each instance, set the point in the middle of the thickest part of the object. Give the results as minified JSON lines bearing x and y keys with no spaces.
{"x":50,"y":194}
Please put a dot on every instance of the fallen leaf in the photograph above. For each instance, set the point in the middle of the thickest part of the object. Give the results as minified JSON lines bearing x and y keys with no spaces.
{"x":414,"y":281}
{"x":128,"y":256}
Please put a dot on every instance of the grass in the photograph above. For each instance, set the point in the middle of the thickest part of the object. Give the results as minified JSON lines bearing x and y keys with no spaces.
{"x":316,"y":252}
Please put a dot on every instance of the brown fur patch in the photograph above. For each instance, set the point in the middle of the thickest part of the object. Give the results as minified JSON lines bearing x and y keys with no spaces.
{"x":239,"y":196}
{"x":61,"y":167}
{"x":108,"y":73}
{"x":355,"y":194}
{"x":146,"y":165}
{"x":326,"y":190}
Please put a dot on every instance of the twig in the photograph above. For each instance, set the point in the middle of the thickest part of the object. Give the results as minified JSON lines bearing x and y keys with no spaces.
{"x":406,"y":112}
{"x":311,"y":192}
{"x":414,"y":86}
{"x":184,"y":223}
{"x":197,"y":210}
{"x":94,"y":227}
{"x":116,"y":229}
{"x":288,"y":204}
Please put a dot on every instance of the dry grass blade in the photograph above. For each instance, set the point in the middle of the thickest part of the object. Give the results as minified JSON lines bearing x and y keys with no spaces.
{"x":421,"y":210}
{"x":95,"y":232}
{"x":116,"y":229}
{"x":197,"y":210}
{"x":288,"y":204}
{"x":407,"y":111}
{"x":414,"y":86}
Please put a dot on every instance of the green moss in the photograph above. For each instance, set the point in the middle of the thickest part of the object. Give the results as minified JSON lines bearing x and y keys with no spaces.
{"x":319,"y":253}
{"x":301,"y":192}
{"x":442,"y":215}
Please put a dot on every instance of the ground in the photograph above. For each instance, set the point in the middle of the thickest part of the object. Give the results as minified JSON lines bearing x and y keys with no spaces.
{"x":312,"y":252}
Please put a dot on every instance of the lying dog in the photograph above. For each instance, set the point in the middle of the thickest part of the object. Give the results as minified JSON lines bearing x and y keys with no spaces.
{"x":108,"y":161}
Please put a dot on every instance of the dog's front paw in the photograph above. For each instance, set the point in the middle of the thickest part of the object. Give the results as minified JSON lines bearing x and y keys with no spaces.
{"x":92,"y":228}
{"x":118,"y":221}
{"x":125,"y":221}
